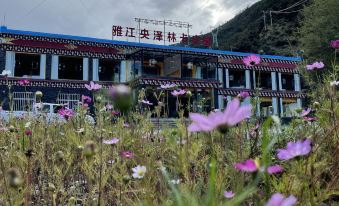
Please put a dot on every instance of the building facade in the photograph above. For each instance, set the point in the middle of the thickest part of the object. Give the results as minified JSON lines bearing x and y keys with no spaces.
{"x":61,"y":65}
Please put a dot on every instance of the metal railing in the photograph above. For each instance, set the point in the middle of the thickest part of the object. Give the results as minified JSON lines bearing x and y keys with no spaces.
{"x":70,"y":100}
{"x":23,"y":101}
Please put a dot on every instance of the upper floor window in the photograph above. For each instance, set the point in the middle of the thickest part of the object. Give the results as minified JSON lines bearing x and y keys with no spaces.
{"x":237,"y":79}
{"x":109,"y":70}
{"x":287,"y":82}
{"x":70,"y":68}
{"x":263,"y":80}
{"x":27,"y":65}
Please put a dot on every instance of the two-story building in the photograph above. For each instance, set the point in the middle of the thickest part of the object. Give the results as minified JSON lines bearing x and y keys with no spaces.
{"x":60,"y":66}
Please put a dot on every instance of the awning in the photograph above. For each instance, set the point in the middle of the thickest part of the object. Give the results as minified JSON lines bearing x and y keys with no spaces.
{"x":142,"y":81}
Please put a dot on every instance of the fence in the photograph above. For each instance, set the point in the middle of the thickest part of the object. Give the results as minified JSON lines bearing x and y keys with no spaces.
{"x":23,"y":101}
{"x":70,"y":100}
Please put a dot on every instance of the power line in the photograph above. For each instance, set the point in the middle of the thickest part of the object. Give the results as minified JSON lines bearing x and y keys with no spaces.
{"x":35,"y":7}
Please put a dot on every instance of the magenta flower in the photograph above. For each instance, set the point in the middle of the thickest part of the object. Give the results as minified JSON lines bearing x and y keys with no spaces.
{"x":274,"y":169}
{"x":246,"y":166}
{"x":24,"y":82}
{"x":251,"y":60}
{"x":66,"y":113}
{"x":232,"y":115}
{"x":229,"y":194}
{"x":167,"y":86}
{"x":315,"y":65}
{"x":127,"y":154}
{"x":28,"y":132}
{"x":278,"y":199}
{"x":310,"y":119}
{"x":243,"y":95}
{"x":335,"y":43}
{"x":294,"y":149}
{"x":111,"y":141}
{"x":86,"y":99}
{"x":177,"y":93}
{"x":146,"y":102}
{"x":93,"y":86}
{"x":305,"y":112}
{"x":115,"y":113}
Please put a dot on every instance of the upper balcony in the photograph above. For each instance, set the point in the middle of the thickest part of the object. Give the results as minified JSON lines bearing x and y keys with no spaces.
{"x":146,"y":63}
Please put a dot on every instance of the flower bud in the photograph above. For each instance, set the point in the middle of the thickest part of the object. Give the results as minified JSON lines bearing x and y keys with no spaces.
{"x":316,"y":105}
{"x":89,"y":149}
{"x":59,"y":156}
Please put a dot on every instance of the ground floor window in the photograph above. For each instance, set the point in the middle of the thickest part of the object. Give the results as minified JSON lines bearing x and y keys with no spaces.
{"x":71,"y":101}
{"x":266,"y":108}
{"x":27,"y":65}
{"x":23,"y":101}
{"x":289,"y":105}
{"x":70,"y":68}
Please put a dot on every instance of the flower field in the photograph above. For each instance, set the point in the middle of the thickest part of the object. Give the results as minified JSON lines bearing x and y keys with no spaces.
{"x":227,"y":157}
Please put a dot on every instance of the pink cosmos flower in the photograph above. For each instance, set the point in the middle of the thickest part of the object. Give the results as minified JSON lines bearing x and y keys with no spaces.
{"x":315,"y":65}
{"x":229,"y":194}
{"x":86,"y":99}
{"x":167,"y":86}
{"x":305,"y":112}
{"x":232,"y":115}
{"x":310,"y":119}
{"x":66,"y":113}
{"x":93,"y":86}
{"x":126,"y":125}
{"x":335,"y":43}
{"x":294,"y":149}
{"x":274,"y":169}
{"x":111,"y":141}
{"x":119,"y":90}
{"x":246,"y":166}
{"x":146,"y":102}
{"x":243,"y":95}
{"x":24,"y":82}
{"x":109,"y":107}
{"x":177,"y":93}
{"x":278,"y":199}
{"x":127,"y":154}
{"x":251,"y":60}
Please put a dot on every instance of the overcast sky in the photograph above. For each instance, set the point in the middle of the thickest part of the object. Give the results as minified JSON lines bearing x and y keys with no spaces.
{"x":95,"y":18}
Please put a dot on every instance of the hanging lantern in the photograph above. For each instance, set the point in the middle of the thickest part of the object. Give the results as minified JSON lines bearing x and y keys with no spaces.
{"x":152,"y":62}
{"x":189,"y":65}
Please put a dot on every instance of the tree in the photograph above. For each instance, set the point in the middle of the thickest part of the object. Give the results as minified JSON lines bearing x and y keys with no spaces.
{"x":320,"y":25}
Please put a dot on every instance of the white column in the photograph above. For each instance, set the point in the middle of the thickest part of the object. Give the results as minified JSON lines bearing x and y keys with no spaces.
{"x":85,"y":69}
{"x":248,"y":79}
{"x":254,"y":80}
{"x":198,"y":72}
{"x":297,"y":82}
{"x":220,"y":77}
{"x":280,"y":81}
{"x":299,"y":103}
{"x":227,"y":74}
{"x":258,"y":106}
{"x":123,"y":66}
{"x":55,"y":67}
{"x":95,"y":71}
{"x":275,"y":105}
{"x":221,"y":102}
{"x":281,"y":107}
{"x":229,"y":99}
{"x":274,"y":80}
{"x":43,"y":66}
{"x":10,"y":62}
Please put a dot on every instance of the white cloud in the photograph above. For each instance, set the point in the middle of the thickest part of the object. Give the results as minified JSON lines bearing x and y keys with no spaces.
{"x":95,"y":17}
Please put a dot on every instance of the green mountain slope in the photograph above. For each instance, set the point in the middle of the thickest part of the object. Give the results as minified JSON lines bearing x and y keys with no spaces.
{"x":246,"y":32}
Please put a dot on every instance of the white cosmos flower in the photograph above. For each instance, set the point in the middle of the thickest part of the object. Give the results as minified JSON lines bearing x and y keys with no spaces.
{"x":28,"y":124}
{"x":175,"y":181}
{"x":334,"y":83}
{"x":6,"y":73}
{"x":138,"y":172}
